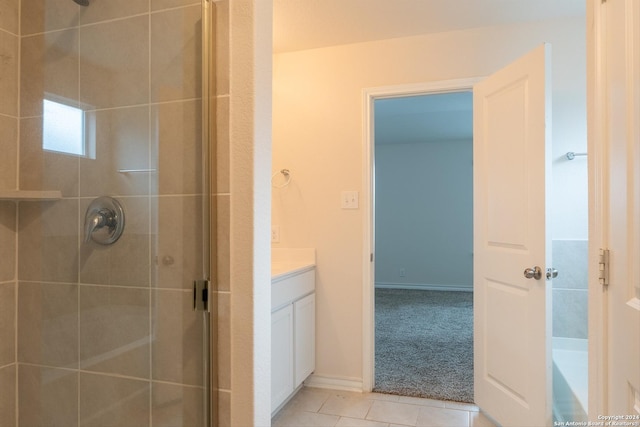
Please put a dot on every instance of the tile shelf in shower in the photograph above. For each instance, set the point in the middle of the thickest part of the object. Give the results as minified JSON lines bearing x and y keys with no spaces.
{"x":30,"y":195}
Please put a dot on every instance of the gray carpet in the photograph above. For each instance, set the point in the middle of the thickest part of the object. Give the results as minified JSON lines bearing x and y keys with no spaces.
{"x":424,"y":344}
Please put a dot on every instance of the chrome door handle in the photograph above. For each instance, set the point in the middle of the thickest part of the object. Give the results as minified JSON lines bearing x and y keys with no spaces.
{"x":533,"y":273}
{"x":552,"y":273}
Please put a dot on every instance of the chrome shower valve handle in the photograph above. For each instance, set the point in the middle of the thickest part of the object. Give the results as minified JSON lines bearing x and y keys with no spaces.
{"x":104,"y":221}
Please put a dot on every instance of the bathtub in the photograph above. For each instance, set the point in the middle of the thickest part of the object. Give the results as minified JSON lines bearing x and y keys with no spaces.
{"x":570,"y":379}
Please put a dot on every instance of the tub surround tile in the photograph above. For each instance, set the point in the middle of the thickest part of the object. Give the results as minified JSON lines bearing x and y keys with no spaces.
{"x":174,"y":405}
{"x":114,"y":330}
{"x":175,"y":321}
{"x":47,"y":396}
{"x":176,"y":148}
{"x":49,"y":68}
{"x":220,"y":156}
{"x":38,"y":16}
{"x":127,"y":262}
{"x":41,"y":169}
{"x":9,"y":15}
{"x":7,"y":241}
{"x":177,"y":222}
{"x":121,"y":139}
{"x":176,"y":70}
{"x":9,"y":150}
{"x":7,"y":324}
{"x":221,"y":252}
{"x":8,"y":392}
{"x":48,"y":241}
{"x":48,"y":324}
{"x":122,"y":77}
{"x":112,"y":9}
{"x":570,"y":258}
{"x":113,"y":401}
{"x":570,"y":313}
{"x":9,"y":71}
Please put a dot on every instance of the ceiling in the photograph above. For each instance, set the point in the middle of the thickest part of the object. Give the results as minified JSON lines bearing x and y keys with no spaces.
{"x":310,"y":24}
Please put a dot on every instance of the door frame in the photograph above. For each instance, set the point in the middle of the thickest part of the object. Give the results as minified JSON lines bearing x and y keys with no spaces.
{"x":368,"y":285}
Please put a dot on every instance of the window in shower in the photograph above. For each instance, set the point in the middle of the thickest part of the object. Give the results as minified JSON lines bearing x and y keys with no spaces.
{"x":64,"y":129}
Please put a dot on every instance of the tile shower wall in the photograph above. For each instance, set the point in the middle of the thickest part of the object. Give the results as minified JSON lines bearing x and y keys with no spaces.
{"x":570,"y":289}
{"x":105,"y":335}
{"x":9,"y":47}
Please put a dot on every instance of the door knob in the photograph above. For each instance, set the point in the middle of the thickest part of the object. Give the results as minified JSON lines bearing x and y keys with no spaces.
{"x":552,"y":273}
{"x":533,"y":273}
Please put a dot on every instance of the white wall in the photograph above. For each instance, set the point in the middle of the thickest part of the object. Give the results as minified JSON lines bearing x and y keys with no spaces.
{"x":424,"y":214}
{"x":317,"y":134}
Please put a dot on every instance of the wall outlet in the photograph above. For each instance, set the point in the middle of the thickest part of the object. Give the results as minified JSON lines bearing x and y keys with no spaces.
{"x":349,"y":200}
{"x":275,"y":234}
{"x":403,"y":272}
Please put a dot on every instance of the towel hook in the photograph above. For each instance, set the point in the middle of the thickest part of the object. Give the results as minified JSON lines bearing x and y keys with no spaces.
{"x":287,"y":176}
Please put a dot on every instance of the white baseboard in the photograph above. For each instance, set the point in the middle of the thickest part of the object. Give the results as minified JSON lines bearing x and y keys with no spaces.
{"x":424,"y":287}
{"x":334,"y":383}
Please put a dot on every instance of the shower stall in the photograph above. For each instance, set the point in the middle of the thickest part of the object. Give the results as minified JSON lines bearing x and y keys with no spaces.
{"x":105,"y":126}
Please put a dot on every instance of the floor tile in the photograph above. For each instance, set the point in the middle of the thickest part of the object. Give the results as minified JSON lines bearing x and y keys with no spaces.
{"x":355,"y":422}
{"x":461,"y":406}
{"x":347,"y":406}
{"x":421,"y":401}
{"x":304,"y":419}
{"x":394,"y":412}
{"x":478,"y":419}
{"x":440,"y":417}
{"x":309,"y":399}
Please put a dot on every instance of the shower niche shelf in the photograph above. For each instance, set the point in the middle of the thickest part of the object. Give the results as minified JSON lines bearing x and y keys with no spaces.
{"x":30,"y":195}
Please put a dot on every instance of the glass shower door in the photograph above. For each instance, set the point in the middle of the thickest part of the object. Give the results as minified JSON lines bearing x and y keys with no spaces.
{"x":112,"y":102}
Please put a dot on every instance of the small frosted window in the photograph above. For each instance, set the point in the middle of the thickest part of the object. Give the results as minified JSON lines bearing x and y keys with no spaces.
{"x":63,"y":128}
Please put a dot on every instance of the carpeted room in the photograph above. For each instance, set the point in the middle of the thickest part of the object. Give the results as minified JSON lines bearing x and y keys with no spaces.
{"x":424,"y":246}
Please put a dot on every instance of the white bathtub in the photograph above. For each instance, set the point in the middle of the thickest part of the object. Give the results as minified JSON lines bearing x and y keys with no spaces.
{"x":570,"y":379}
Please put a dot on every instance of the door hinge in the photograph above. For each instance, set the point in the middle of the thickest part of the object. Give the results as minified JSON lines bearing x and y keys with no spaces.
{"x":603,"y":267}
{"x":201,"y":295}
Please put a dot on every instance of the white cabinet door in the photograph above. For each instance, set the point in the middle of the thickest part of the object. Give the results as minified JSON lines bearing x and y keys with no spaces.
{"x":305,"y":338}
{"x":511,"y":313}
{"x":281,"y":355}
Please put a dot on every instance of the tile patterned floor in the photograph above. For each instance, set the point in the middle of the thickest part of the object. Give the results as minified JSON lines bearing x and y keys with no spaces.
{"x":332,"y":408}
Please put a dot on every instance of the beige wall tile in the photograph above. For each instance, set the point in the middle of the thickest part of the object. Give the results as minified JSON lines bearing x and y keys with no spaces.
{"x":177,"y":345}
{"x":113,"y":9}
{"x":221,"y":14}
{"x":9,"y":15}
{"x":180,"y":242}
{"x":174,"y":405}
{"x":8,"y":393}
{"x":220,"y":208}
{"x":223,"y":351}
{"x":126,"y":262}
{"x":114,"y":330}
{"x":49,"y":68}
{"x":177,"y":147}
{"x":220,"y":152}
{"x":121,"y":139}
{"x":9,"y":74}
{"x":41,"y":169}
{"x":9,"y":150}
{"x":113,"y":401}
{"x":7,"y":324}
{"x":176,"y":66}
{"x":223,"y":412}
{"x":48,"y":241}
{"x":39,"y":16}
{"x":47,"y":396}
{"x":48,"y":324}
{"x":166,"y":4}
{"x":114,"y":63}
{"x":7,"y":241}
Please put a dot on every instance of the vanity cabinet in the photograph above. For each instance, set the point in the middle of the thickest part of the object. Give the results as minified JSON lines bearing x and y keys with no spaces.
{"x":292,"y":335}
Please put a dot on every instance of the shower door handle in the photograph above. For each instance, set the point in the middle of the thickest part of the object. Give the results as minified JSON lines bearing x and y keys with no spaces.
{"x":533,"y":273}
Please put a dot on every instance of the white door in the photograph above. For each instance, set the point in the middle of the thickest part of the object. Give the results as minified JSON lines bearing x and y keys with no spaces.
{"x":512,"y":323}
{"x":620,"y":147}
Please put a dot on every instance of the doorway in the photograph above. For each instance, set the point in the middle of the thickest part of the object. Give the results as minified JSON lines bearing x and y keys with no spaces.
{"x":423,"y":214}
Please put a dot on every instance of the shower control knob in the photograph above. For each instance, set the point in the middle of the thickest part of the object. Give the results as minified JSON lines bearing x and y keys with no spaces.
{"x":533,"y":273}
